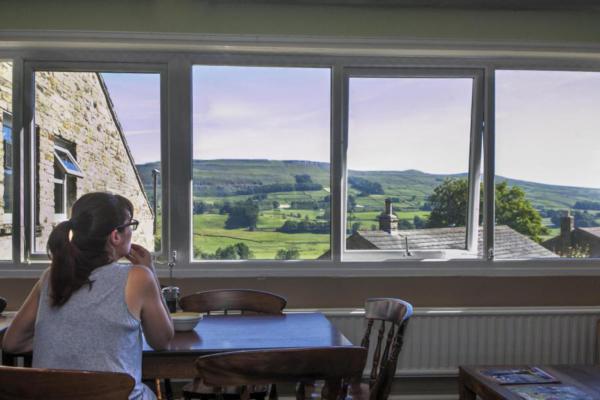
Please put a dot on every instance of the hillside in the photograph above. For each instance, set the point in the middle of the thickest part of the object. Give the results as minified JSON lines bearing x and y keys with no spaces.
{"x":219,"y":178}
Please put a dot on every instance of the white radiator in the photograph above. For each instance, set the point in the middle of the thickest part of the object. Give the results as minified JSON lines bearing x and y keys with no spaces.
{"x":438,"y":340}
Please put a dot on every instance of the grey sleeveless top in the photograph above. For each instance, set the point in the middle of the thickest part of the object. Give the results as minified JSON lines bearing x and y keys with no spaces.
{"x":93,"y":330}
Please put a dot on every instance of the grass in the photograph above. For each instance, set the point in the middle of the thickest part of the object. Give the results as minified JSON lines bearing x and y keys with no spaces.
{"x":210,"y":234}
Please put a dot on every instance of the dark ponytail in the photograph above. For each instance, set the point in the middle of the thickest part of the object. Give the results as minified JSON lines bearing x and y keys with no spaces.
{"x":78,"y":246}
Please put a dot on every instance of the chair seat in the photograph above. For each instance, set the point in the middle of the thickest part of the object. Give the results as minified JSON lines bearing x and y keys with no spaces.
{"x":196,"y":389}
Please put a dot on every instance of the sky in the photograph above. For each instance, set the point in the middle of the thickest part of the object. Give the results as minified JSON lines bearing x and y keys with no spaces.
{"x":546,"y":125}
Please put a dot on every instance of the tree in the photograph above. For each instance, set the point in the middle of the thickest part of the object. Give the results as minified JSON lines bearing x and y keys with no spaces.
{"x":304,"y":178}
{"x":242,"y":215}
{"x":513,"y":209}
{"x":275,"y":204}
{"x":449,"y":203}
{"x":287,"y":254}
{"x":238,"y":251}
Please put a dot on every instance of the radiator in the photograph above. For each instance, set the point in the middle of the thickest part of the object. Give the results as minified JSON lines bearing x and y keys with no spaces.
{"x":437,"y":341}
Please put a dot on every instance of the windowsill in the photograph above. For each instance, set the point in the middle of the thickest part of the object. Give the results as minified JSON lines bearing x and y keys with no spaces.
{"x":320,"y":269}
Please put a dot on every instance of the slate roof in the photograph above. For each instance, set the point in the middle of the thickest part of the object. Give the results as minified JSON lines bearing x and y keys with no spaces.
{"x":509,"y":243}
{"x":594,"y":231}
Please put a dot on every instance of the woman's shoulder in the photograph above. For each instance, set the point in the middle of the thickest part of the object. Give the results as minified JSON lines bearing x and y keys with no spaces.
{"x":140,"y":276}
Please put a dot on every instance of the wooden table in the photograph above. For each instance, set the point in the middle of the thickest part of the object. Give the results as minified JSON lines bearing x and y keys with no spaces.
{"x":472,"y":383}
{"x":215,"y":334}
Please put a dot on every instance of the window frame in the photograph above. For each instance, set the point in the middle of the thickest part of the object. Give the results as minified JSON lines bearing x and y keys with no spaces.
{"x":158,"y":49}
{"x":474,"y":162}
{"x":30,"y":67}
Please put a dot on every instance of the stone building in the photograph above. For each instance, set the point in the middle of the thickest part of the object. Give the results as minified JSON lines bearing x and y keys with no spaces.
{"x":575,"y":241}
{"x":80,"y":148}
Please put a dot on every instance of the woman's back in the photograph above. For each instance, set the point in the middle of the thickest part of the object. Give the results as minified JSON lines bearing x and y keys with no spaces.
{"x":93,"y":330}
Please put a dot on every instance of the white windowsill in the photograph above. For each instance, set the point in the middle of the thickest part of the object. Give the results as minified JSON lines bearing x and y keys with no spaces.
{"x":318,"y":269}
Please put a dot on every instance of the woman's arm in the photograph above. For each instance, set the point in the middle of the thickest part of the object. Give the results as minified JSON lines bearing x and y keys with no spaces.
{"x":18,"y":338}
{"x":144,"y":299}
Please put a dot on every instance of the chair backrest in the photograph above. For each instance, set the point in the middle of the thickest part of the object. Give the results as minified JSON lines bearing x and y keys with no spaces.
{"x":50,"y":384}
{"x":395,"y":314}
{"x":331,"y":364}
{"x":245,"y":301}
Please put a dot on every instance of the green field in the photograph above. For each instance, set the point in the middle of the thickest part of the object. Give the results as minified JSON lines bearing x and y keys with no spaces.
{"x":216,"y":182}
{"x":210,"y":234}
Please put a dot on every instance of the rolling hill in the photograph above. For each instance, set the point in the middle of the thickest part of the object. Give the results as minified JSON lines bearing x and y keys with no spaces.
{"x":220,"y":178}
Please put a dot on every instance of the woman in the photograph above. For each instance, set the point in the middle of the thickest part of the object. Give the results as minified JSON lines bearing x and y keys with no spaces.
{"x":86,"y":311}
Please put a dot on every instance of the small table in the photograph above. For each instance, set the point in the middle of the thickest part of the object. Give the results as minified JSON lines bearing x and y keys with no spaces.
{"x":472,"y":383}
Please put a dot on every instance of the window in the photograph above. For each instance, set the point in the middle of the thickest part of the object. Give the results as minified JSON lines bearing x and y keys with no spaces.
{"x":66,"y":171}
{"x":333,"y":162}
{"x":547,"y":170}
{"x":261,"y":175}
{"x":97,"y":131}
{"x":410,"y":137}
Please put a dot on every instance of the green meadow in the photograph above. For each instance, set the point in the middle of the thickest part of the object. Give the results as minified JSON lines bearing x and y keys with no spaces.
{"x":216,"y":182}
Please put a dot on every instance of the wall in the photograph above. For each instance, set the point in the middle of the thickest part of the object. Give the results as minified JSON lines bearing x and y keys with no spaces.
{"x":237,"y":18}
{"x":261,"y":18}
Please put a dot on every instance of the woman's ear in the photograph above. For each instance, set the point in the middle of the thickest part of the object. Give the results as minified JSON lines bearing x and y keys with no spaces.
{"x":115,"y":238}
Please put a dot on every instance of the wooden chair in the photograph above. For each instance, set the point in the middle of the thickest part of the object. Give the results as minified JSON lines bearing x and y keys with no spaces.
{"x":244,"y":301}
{"x":395,"y":313}
{"x":226,"y":301}
{"x":53,"y":384}
{"x":299,"y":365}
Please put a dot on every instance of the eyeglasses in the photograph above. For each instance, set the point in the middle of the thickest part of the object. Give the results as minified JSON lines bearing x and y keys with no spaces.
{"x":133,"y":223}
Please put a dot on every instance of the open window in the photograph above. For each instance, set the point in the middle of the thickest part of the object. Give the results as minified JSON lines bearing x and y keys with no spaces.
{"x":413,"y":164}
{"x":66,"y":173}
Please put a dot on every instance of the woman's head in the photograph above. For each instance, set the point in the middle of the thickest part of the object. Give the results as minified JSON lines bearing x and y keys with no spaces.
{"x":98,"y":233}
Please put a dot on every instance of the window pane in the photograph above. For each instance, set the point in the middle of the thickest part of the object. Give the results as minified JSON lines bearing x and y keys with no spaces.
{"x":408,"y":162}
{"x":261,"y":163}
{"x":97,"y":132}
{"x":547,"y":152}
{"x":6,"y":185}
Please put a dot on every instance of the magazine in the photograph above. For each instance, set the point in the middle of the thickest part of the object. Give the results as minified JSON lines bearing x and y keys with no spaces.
{"x":549,"y":392}
{"x":516,"y":376}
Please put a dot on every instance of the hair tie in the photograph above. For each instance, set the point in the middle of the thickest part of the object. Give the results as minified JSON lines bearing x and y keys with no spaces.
{"x":69,"y":224}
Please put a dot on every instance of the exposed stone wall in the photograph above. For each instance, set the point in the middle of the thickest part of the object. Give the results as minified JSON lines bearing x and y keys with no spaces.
{"x":5,"y":106}
{"x":72,"y":106}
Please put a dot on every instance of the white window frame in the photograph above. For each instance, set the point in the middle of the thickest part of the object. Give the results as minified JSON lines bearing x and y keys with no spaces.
{"x":67,"y":171}
{"x":30,"y":67}
{"x":29,"y":49}
{"x":59,"y":217}
{"x":474,"y":163}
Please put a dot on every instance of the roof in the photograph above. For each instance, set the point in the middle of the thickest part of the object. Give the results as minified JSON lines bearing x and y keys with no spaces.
{"x":508,"y":242}
{"x":594,"y":231}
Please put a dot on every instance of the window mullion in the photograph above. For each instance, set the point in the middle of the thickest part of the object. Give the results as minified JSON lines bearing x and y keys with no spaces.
{"x":17,"y":157}
{"x":339,"y":133}
{"x":475,"y":163}
{"x":489,"y":164}
{"x":178,"y":162}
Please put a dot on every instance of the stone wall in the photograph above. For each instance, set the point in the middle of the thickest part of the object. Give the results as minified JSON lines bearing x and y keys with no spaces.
{"x":73,"y":107}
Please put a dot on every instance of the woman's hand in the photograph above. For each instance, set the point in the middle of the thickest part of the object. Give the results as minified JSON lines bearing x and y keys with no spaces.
{"x":140,"y":256}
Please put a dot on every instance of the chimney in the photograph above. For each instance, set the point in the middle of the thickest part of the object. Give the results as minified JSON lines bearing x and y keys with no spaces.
{"x":566,"y":227}
{"x":387,"y":221}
